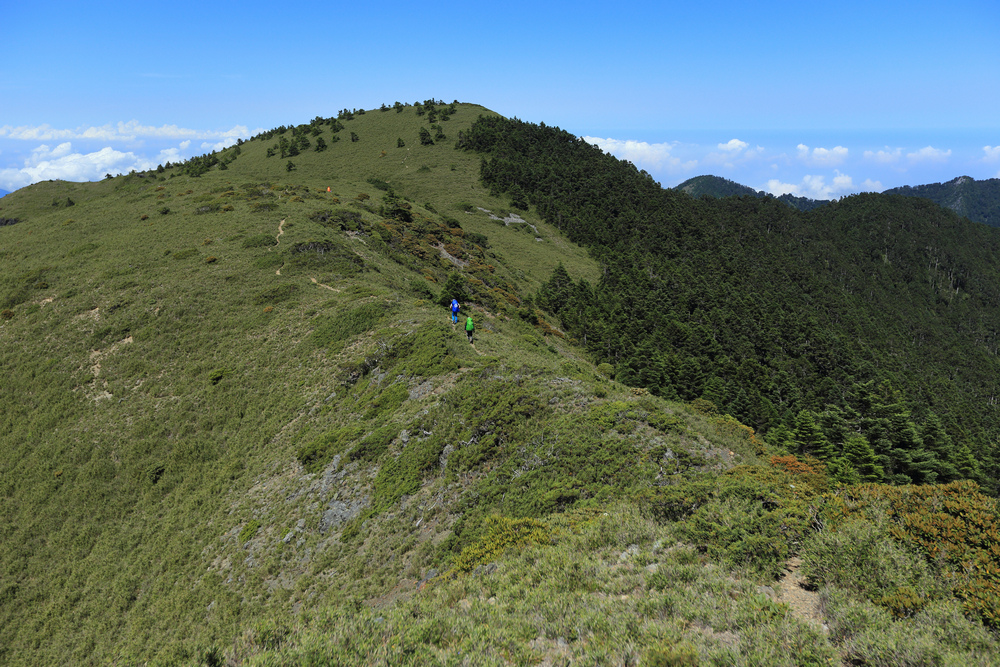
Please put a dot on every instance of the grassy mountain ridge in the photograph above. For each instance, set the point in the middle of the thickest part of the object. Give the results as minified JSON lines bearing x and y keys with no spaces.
{"x":238,"y":427}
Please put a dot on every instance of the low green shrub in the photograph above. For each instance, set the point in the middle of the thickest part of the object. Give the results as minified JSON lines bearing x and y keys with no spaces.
{"x":317,"y":453}
{"x":374,"y":445}
{"x":387,"y":401}
{"x":955,"y":527}
{"x":404,"y":474}
{"x":333,"y":330}
{"x":501,"y":533}
{"x":249,"y":531}
{"x":276,"y":294}
{"x":861,"y":556}
{"x":260,"y":241}
{"x":939,"y":634}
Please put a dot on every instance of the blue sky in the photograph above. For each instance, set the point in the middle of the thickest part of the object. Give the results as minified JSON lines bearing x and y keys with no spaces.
{"x":817,"y":99}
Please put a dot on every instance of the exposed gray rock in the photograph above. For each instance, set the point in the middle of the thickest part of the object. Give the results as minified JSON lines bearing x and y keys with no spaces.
{"x":488,"y":568}
{"x":340,"y":512}
{"x":445,"y":453}
{"x":631,"y":552}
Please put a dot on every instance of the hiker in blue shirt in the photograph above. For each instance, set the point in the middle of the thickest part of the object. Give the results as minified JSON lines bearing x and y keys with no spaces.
{"x":454,"y":311}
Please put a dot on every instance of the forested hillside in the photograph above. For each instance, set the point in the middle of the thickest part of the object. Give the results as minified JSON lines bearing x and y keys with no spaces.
{"x":976,"y":200}
{"x":873,"y":315}
{"x":716,"y":186}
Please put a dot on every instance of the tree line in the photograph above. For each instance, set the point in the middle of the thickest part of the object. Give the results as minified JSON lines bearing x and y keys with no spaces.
{"x":864,"y":332}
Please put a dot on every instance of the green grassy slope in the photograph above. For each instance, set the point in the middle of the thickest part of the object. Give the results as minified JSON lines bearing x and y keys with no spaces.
{"x":237,"y":427}
{"x":168,"y":353}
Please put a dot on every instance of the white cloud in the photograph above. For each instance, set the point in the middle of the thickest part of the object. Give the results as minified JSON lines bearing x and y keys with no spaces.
{"x":842,"y":182}
{"x":733,"y":154}
{"x":929,"y":154}
{"x":219,"y":145}
{"x":812,"y":186}
{"x":871,"y":186}
{"x":643,"y":154}
{"x":992,"y":153}
{"x":822,"y":157}
{"x":887,"y":156}
{"x":61,"y":163}
{"x":111,"y":148}
{"x":734,"y":146}
{"x":121,"y":131}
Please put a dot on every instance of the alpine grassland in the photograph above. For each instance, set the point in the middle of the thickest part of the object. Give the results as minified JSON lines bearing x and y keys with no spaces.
{"x":237,"y":426}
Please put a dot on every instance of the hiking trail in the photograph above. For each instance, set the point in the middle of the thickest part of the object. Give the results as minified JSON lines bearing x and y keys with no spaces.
{"x":803,"y":603}
{"x":277,"y":240}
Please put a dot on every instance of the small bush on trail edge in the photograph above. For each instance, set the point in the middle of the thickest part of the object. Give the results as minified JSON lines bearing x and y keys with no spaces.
{"x":750,"y":516}
{"x":341,"y":219}
{"x":954,"y":527}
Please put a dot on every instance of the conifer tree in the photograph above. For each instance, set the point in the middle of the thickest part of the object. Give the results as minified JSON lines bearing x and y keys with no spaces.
{"x":554,"y":294}
{"x":809,"y":438}
{"x":690,"y":379}
{"x":937,"y":442}
{"x":859,"y":453}
{"x":455,"y":287}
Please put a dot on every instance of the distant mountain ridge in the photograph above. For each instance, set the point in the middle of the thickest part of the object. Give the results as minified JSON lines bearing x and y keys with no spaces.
{"x":978,"y":201}
{"x":718,"y":187}
{"x":4,"y":192}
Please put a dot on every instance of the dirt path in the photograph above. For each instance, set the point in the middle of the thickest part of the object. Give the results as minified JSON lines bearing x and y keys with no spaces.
{"x":332,"y":289}
{"x":277,"y":240}
{"x":803,"y":603}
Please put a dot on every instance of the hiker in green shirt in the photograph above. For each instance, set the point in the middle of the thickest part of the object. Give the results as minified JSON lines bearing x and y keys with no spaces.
{"x":469,"y":328}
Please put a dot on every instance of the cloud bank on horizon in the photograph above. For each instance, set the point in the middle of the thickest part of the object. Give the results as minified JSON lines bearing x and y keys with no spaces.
{"x":783,"y":96}
{"x":823,"y":169}
{"x":90,"y":153}
{"x":114,"y":148}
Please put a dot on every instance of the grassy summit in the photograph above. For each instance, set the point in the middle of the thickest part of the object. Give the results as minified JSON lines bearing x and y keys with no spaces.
{"x":238,"y":426}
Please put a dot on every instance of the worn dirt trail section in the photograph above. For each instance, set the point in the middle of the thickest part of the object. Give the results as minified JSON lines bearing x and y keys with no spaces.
{"x":803,"y":603}
{"x":332,"y":289}
{"x":277,"y":240}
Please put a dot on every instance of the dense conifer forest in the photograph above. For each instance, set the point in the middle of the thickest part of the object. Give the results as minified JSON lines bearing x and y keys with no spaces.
{"x":866,"y":326}
{"x":975,"y":200}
